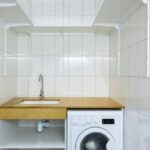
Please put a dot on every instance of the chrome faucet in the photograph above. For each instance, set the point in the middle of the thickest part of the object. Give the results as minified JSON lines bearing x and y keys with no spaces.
{"x":42,"y":83}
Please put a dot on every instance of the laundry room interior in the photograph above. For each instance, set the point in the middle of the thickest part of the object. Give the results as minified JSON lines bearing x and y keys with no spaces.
{"x":75,"y":74}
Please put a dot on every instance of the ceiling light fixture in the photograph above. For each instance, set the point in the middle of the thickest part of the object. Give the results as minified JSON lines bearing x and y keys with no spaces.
{"x":8,"y":4}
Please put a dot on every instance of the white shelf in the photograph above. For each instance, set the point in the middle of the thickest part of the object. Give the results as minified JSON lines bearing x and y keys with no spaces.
{"x":12,"y":14}
{"x":32,"y":29}
{"x":112,"y":11}
{"x":27,"y":137}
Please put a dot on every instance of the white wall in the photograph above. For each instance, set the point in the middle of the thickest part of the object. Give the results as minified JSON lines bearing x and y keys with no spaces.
{"x":73,"y":64}
{"x":8,"y":66}
{"x":63,"y":12}
{"x":132,"y":87}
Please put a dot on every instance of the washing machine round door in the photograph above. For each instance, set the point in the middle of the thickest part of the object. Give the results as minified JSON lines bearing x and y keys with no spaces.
{"x":95,"y":139}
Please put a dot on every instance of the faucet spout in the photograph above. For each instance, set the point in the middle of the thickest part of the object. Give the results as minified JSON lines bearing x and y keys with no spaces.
{"x":42,"y":86}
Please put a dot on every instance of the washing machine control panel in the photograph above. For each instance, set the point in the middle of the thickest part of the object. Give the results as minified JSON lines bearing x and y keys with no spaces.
{"x":91,"y":119}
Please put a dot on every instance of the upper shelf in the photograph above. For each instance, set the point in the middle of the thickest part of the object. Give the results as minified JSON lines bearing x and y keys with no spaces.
{"x":112,"y":11}
{"x":12,"y":14}
{"x":108,"y":15}
{"x":33,"y":29}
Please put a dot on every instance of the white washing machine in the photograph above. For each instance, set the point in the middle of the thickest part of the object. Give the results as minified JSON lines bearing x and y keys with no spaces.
{"x":95,"y":130}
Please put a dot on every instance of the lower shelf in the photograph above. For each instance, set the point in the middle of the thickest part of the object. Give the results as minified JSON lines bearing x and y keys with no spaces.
{"x":28,"y":138}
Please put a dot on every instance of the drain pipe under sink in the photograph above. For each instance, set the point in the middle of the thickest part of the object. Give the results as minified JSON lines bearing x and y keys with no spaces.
{"x":41,"y":125}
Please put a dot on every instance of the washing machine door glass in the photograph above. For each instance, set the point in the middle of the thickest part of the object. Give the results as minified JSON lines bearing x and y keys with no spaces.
{"x":95,"y":139}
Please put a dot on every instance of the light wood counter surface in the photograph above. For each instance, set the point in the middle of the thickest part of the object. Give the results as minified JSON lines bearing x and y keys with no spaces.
{"x":14,"y":110}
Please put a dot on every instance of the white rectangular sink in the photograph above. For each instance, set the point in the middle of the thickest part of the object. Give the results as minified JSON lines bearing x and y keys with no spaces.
{"x":39,"y":102}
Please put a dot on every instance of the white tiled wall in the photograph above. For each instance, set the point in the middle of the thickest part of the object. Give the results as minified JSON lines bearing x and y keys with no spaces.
{"x":73,"y":64}
{"x":8,"y":66}
{"x":132,"y":87}
{"x":63,"y":12}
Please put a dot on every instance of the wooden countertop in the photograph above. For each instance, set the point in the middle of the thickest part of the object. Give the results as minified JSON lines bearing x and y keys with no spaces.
{"x":68,"y":103}
{"x":14,"y":110}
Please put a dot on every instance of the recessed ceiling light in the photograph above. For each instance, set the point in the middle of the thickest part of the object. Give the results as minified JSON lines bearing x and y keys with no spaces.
{"x":8,"y":4}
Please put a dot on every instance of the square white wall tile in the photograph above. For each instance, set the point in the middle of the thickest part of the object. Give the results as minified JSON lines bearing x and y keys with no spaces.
{"x":48,"y":45}
{"x":102,"y":48}
{"x":45,"y":20}
{"x":73,"y":21}
{"x":35,"y":65}
{"x":37,"y":20}
{"x":59,"y":21}
{"x":36,"y":7}
{"x":102,"y":86}
{"x":75,"y":45}
{"x":89,"y":66}
{"x":34,"y":86}
{"x":22,"y":44}
{"x":49,"y":7}
{"x":22,"y":66}
{"x":133,"y":94}
{"x":102,"y":66}
{"x":11,"y":65}
{"x":59,"y":45}
{"x":124,"y":63}
{"x":50,"y":86}
{"x":11,"y":42}
{"x":138,"y":60}
{"x":89,"y":7}
{"x":62,"y":87}
{"x":7,"y":91}
{"x":75,"y":8}
{"x":124,"y":33}
{"x":133,"y":60}
{"x":89,"y":45}
{"x":22,"y":86}
{"x":49,"y":65}
{"x":87,"y":20}
{"x":62,"y":66}
{"x":89,"y":86}
{"x":66,"y":44}
{"x":134,"y":29}
{"x":36,"y":44}
{"x":75,"y":66}
{"x":10,"y":92}
{"x":113,"y":65}
{"x":75,"y":86}
{"x":59,"y":7}
{"x":113,"y":42}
